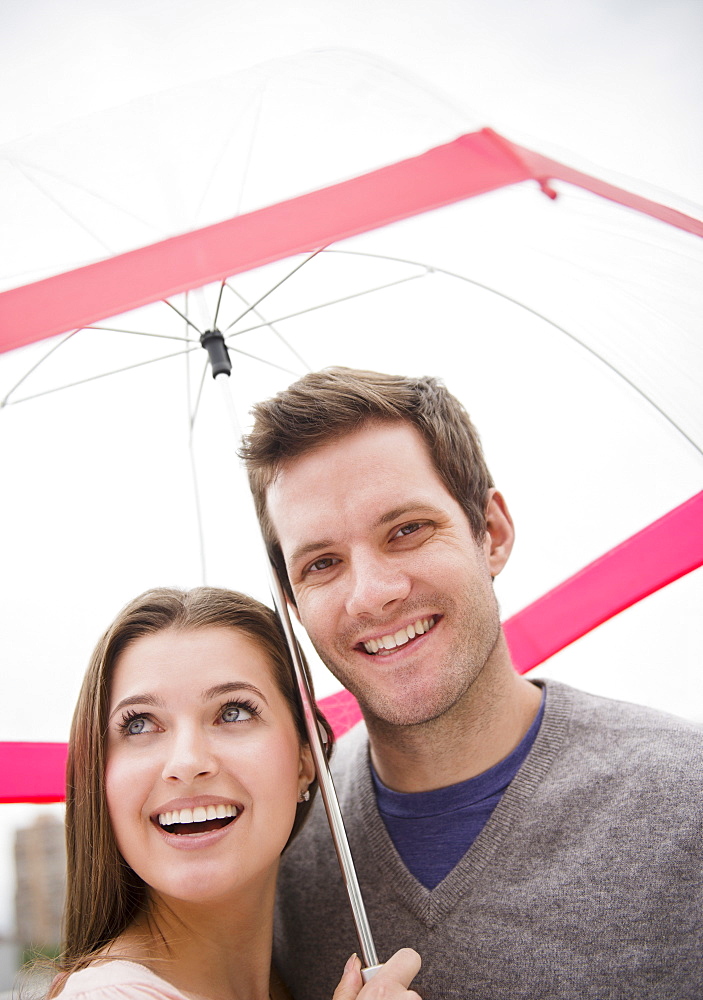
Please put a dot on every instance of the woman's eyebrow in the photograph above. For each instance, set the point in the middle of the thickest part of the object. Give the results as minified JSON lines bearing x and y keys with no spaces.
{"x":230,"y":687}
{"x":137,"y":699}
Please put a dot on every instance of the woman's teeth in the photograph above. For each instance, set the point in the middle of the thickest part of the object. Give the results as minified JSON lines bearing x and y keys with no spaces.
{"x":400,"y":637}
{"x":198,"y":815}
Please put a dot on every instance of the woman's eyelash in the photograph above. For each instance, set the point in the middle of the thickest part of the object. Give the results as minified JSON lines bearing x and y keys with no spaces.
{"x":244,"y":703}
{"x":128,"y":717}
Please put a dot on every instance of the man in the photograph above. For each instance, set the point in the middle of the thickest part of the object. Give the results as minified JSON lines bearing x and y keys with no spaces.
{"x":529,"y":840}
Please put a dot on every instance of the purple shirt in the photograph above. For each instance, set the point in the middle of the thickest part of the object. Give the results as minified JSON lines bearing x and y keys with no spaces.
{"x":432,"y":831}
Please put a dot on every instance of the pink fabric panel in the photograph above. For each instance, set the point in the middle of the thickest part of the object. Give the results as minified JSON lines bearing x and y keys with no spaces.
{"x":659,"y":554}
{"x":342,"y":711}
{"x":471,"y":165}
{"x":543,"y":170}
{"x":32,"y":772}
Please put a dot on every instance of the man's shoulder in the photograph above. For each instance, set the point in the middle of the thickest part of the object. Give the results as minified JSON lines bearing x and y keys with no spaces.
{"x":629,"y":736}
{"x":616,"y":714}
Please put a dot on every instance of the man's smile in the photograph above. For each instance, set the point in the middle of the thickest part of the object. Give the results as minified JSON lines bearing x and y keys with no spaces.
{"x":383,"y":644}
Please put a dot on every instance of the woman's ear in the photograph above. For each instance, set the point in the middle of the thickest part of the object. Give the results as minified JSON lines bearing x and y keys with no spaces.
{"x":306,"y":768}
{"x":500,"y":532}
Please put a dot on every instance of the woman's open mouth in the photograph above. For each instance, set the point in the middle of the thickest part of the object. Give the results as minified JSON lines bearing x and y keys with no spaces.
{"x":201,"y":819}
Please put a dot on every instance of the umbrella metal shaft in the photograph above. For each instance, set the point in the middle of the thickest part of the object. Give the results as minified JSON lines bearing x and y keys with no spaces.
{"x":324,"y":777}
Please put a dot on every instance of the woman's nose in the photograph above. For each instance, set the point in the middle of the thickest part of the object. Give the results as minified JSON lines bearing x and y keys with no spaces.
{"x":190,"y":756}
{"x":375,"y":583}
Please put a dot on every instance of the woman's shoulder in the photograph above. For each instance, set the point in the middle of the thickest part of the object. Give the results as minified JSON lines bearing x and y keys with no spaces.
{"x":115,"y":980}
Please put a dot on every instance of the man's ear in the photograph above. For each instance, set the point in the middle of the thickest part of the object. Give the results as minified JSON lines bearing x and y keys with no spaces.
{"x":500,"y":532}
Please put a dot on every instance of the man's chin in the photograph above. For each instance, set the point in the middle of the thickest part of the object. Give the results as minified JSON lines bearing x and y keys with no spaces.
{"x":400,"y":710}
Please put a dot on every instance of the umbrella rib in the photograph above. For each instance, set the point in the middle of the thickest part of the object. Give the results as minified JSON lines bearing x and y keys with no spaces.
{"x":94,"y":378}
{"x":194,"y":469}
{"x":582,"y":344}
{"x":140,"y":333}
{"x":271,"y":364}
{"x":52,"y":198}
{"x":539,"y":315}
{"x":253,"y":132}
{"x":194,"y":412}
{"x":274,"y":287}
{"x":334,"y":302}
{"x":217,"y":308}
{"x":183,"y":316}
{"x":55,"y":347}
{"x":270,"y":325}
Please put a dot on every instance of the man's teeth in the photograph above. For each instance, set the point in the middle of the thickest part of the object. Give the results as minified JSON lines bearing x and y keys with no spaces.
{"x":198,"y":815}
{"x":402,"y":636}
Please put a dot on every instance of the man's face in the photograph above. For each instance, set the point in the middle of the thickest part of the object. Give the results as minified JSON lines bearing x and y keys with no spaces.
{"x":390,"y":584}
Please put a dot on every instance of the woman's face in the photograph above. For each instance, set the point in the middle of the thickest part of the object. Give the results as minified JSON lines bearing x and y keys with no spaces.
{"x":204,"y":765}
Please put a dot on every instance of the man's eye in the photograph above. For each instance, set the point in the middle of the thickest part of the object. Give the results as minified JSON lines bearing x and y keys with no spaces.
{"x":320,"y":564}
{"x":410,"y":529}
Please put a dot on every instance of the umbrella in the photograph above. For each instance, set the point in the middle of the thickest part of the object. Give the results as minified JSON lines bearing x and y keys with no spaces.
{"x":544,"y":350}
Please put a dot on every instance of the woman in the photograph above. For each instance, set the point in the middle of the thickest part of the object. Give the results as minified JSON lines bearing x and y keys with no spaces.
{"x":188,"y":773}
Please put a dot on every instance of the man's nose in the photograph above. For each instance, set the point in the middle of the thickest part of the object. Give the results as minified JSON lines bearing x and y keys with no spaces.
{"x":376,"y":582}
{"x":190,"y":756}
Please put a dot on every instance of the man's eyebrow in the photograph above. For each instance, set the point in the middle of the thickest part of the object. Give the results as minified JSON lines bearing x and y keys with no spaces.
{"x":229,"y":687}
{"x":418,"y":507}
{"x":415,"y":506}
{"x":310,"y":547}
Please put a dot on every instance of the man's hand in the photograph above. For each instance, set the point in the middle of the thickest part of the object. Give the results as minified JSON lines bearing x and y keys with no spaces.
{"x":390,"y":983}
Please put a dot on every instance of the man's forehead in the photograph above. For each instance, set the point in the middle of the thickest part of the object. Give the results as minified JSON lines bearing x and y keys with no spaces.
{"x":347,"y":452}
{"x":363,"y":481}
{"x":342,"y":444}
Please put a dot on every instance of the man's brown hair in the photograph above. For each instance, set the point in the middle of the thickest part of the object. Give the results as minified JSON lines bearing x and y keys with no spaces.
{"x":326,"y":405}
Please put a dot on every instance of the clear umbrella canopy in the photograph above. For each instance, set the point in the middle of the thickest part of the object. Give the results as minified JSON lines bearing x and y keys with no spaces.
{"x":568,"y":328}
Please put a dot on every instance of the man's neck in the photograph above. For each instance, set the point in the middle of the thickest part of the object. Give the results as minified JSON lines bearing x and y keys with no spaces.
{"x":474,"y":735}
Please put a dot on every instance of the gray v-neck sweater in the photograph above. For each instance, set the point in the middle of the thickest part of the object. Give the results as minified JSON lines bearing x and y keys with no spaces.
{"x":586,"y":882}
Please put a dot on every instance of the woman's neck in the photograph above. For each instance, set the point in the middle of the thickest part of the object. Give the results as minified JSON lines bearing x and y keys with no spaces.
{"x":208,"y":952}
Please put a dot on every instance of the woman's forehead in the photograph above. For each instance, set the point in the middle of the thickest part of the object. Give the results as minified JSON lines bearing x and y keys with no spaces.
{"x":192,"y":660}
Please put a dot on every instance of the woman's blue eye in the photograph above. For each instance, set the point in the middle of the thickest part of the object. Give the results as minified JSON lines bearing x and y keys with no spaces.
{"x":135,"y":726}
{"x":236,"y":713}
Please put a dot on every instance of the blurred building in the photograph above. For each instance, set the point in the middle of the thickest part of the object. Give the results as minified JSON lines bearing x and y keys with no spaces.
{"x":40,"y":862}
